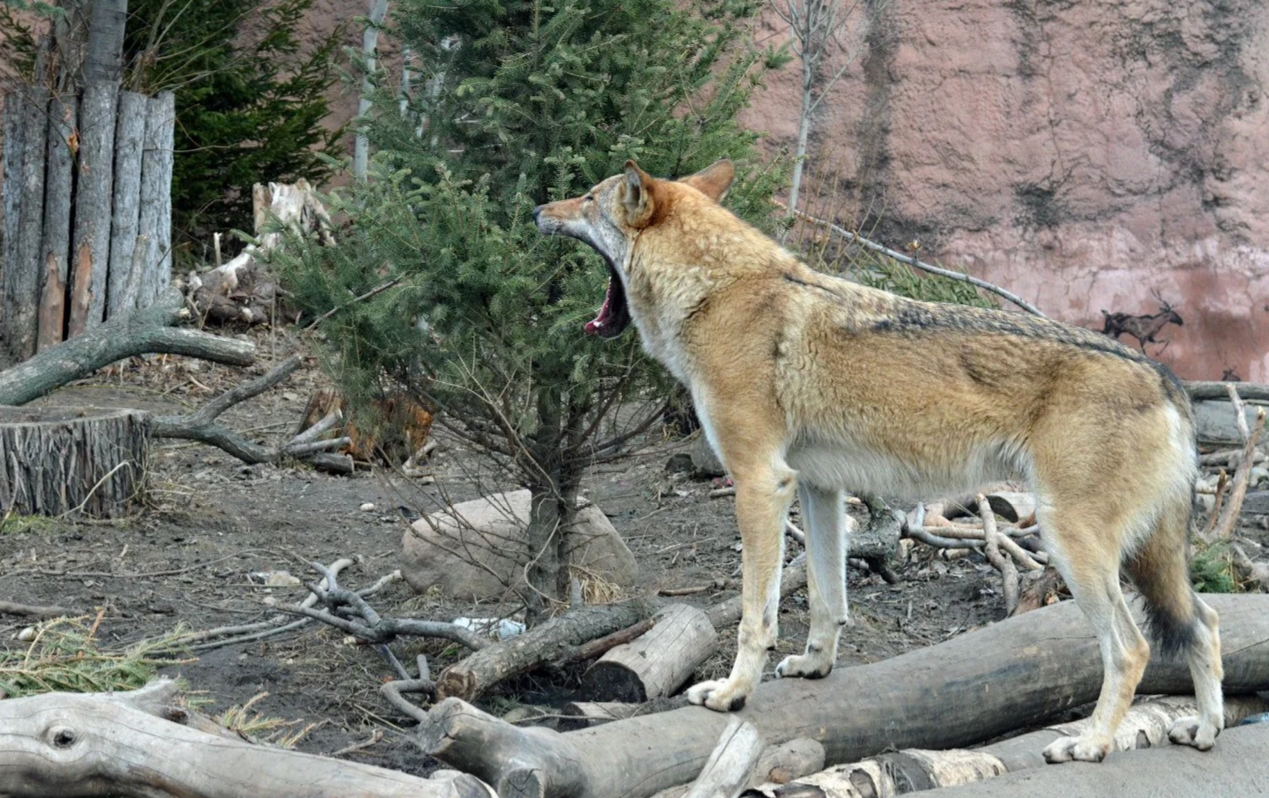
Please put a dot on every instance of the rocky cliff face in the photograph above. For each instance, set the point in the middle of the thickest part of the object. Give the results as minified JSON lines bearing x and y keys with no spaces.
{"x":1083,"y":154}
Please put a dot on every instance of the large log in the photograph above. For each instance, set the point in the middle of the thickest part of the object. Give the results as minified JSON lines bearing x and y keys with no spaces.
{"x":658,"y":662}
{"x":912,"y":770}
{"x":55,"y":252}
{"x":156,"y":196}
{"x":22,"y":274}
{"x":1236,"y":766}
{"x":56,"y":461}
{"x":1012,"y":674}
{"x":134,"y":333}
{"x":139,"y":744}
{"x":473,"y":676}
{"x":90,"y":240}
{"x":129,"y":141}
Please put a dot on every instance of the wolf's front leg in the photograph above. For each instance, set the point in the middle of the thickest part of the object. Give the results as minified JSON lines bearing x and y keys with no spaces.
{"x":762,"y":500}
{"x":824,"y":514}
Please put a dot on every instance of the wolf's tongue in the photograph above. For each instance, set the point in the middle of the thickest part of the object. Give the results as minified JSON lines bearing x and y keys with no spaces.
{"x":605,"y":312}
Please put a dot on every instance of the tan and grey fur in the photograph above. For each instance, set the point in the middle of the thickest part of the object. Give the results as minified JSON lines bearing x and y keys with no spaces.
{"x":810,"y":384}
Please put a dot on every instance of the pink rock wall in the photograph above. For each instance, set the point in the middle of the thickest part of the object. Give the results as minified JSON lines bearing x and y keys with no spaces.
{"x":1082,"y":154}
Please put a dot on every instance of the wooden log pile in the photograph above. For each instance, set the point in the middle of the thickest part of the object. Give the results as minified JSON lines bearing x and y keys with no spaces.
{"x":87,"y":183}
{"x":1016,"y":673}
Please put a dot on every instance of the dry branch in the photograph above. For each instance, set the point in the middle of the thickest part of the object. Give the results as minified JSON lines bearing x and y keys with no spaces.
{"x":349,"y":611}
{"x":1228,"y":518}
{"x":137,"y":744}
{"x":485,"y":668}
{"x":1014,"y":673}
{"x":1008,"y":571}
{"x":31,"y":610}
{"x":135,"y":333}
{"x":918,"y":264}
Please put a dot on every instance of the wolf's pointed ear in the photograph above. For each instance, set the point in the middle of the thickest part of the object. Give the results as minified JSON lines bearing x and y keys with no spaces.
{"x":713,"y":181}
{"x":637,"y":195}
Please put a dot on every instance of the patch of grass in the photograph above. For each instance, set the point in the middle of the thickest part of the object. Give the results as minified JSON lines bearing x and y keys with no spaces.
{"x":64,"y":655}
{"x":1212,"y":570}
{"x":246,"y":721}
{"x":14,"y":524}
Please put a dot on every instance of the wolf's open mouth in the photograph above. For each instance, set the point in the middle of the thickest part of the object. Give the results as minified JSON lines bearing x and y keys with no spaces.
{"x":614,"y":314}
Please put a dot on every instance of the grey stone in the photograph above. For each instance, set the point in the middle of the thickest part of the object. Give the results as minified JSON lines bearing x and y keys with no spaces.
{"x":477,"y":549}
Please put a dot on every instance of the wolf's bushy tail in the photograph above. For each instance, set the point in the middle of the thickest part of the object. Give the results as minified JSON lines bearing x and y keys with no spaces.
{"x":1161,"y":570}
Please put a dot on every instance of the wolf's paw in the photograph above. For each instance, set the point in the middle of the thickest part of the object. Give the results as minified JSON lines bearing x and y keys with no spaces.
{"x":720,"y":696}
{"x":1081,"y":749}
{"x":1194,"y":731}
{"x":807,"y":666}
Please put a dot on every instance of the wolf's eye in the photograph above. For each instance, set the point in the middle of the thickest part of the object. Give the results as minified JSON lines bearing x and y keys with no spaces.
{"x":588,"y":198}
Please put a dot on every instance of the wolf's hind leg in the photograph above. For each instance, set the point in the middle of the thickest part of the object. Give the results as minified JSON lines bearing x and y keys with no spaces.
{"x":1091,"y":570}
{"x":824,"y":514}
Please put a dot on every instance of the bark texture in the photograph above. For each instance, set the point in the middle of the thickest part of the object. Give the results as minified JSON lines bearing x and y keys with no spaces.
{"x":57,"y":461}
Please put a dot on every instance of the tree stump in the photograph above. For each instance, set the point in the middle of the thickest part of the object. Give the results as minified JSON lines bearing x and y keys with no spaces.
{"x":55,"y":461}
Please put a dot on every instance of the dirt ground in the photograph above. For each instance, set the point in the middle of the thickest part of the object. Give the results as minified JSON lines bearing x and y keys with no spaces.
{"x":199,"y":553}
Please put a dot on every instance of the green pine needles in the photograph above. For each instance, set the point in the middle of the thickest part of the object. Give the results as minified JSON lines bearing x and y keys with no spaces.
{"x":516,"y":103}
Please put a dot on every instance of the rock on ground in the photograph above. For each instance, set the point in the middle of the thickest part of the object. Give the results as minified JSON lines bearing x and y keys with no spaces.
{"x":477,"y":548}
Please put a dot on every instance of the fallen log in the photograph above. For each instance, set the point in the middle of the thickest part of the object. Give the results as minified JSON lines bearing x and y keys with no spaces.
{"x":129,"y":334}
{"x":1236,"y":766}
{"x":1249,"y":391}
{"x":911,"y":770}
{"x":657,"y":663}
{"x":1019,"y":672}
{"x":473,"y":676}
{"x":137,"y":744}
{"x":780,"y":764}
{"x":731,"y":763}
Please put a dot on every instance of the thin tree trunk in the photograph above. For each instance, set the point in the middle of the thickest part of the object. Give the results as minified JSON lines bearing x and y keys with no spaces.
{"x":22,"y":274}
{"x":103,"y":60}
{"x":90,"y":242}
{"x":369,"y":41}
{"x":59,"y":181}
{"x":129,"y":140}
{"x":799,"y":158}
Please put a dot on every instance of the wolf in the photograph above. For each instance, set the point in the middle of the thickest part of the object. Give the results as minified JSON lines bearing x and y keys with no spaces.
{"x":810,"y":384}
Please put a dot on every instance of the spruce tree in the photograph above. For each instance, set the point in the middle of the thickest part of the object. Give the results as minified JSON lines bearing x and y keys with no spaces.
{"x":518,"y":102}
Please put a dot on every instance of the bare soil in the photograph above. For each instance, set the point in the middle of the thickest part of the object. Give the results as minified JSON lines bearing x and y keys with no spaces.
{"x":199,"y":553}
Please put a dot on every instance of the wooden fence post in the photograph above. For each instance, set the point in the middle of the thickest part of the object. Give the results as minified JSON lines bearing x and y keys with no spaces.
{"x":59,"y":180}
{"x":22,"y":274}
{"x":156,"y":195}
{"x":90,"y":243}
{"x":129,"y":140}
